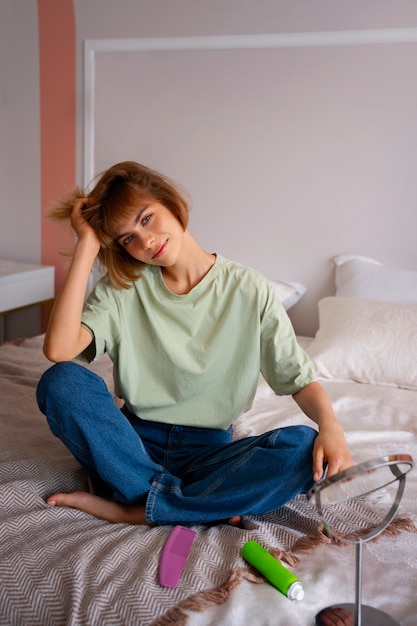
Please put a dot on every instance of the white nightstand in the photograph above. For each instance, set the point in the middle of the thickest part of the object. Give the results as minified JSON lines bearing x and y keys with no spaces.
{"x":24,"y":285}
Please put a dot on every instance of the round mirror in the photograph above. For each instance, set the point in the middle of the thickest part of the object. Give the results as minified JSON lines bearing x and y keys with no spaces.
{"x":359,"y":502}
{"x":357,"y":505}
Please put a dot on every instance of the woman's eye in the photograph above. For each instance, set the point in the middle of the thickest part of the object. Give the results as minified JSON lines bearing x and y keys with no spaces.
{"x":146,"y":219}
{"x":127,"y":240}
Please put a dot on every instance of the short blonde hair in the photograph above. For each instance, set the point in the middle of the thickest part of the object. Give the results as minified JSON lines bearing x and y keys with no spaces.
{"x":116,"y":191}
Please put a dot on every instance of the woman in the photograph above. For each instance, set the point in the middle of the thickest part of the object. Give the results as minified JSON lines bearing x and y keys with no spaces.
{"x":188,"y":333}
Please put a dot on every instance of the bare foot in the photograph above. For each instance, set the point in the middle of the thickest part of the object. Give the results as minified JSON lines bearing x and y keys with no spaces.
{"x":108,"y":510}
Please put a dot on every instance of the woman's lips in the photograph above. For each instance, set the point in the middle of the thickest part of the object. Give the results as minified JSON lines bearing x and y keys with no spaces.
{"x":161,"y":250}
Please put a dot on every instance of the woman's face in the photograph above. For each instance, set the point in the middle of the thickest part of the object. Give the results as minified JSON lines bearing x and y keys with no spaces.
{"x":152,"y":235}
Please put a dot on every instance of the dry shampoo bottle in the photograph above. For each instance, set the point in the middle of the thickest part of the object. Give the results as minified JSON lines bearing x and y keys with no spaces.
{"x":273,"y":570}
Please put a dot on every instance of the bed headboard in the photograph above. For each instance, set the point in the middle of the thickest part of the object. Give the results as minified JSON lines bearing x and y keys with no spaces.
{"x":294,"y":148}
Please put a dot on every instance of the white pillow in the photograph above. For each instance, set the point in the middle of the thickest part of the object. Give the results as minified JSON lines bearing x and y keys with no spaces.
{"x":288,"y":293}
{"x":363,"y":277}
{"x":368,"y":341}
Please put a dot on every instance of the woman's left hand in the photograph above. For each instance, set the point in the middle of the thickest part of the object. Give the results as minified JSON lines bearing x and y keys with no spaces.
{"x":330,"y":446}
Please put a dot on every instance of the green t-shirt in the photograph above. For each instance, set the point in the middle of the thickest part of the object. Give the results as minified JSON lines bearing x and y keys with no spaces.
{"x":195,"y":359}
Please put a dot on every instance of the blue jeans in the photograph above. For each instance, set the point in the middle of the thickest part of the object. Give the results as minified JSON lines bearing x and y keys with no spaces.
{"x":183,"y":475}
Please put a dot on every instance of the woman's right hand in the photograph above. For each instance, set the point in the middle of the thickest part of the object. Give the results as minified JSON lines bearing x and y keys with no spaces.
{"x":81,"y":226}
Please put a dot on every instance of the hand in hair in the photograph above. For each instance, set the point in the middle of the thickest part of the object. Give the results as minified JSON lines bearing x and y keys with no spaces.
{"x":79,"y":222}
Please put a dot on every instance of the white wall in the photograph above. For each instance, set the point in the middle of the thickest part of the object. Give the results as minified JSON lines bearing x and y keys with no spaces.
{"x":292,"y":156}
{"x":20,"y":132}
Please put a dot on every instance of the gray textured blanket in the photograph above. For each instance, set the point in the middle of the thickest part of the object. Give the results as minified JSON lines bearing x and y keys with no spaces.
{"x":61,"y":566}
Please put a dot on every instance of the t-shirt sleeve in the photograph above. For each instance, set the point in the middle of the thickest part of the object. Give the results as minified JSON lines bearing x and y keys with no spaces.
{"x":101,"y":317}
{"x":284,"y":364}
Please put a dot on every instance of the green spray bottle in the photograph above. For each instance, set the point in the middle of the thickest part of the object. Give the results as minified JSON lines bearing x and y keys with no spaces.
{"x":278,"y":575}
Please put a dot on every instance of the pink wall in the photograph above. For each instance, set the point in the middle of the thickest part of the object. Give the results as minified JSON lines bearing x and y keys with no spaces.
{"x":58,"y":122}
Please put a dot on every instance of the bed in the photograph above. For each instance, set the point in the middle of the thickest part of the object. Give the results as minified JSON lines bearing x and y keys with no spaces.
{"x":61,"y":566}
